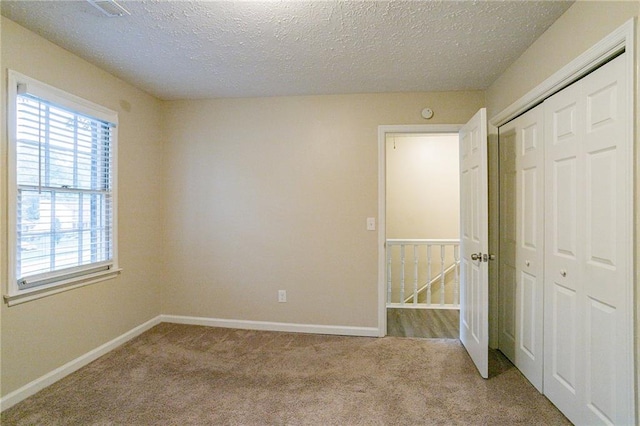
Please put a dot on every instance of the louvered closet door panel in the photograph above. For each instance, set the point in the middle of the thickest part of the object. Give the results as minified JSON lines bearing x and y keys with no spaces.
{"x":530,"y":244}
{"x":588,"y":360}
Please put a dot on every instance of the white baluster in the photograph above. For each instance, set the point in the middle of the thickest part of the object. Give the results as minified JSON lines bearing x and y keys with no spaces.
{"x":415,"y":274}
{"x":442,"y":274}
{"x":421,"y":283}
{"x":402,"y":274}
{"x":428,"y":274}
{"x":389,"y":249}
{"x":456,"y":282}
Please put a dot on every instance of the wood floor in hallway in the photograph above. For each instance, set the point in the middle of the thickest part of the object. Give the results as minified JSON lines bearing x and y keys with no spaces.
{"x":426,"y":323}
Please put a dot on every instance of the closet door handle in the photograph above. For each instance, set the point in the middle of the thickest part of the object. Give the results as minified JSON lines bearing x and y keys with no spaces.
{"x":563,"y":273}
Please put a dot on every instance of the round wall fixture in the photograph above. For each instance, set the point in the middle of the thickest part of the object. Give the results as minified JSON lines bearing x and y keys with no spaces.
{"x":427,"y":113}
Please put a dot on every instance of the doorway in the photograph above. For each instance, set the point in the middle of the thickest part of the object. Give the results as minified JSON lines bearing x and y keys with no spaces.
{"x":419,"y":219}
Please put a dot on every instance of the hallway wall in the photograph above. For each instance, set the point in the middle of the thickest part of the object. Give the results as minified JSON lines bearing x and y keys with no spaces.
{"x":423,"y":186}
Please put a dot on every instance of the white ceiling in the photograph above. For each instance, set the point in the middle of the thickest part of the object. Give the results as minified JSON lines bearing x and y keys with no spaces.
{"x":207,"y":49}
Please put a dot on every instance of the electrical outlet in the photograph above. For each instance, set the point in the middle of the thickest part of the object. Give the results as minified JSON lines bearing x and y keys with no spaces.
{"x":282,"y":296}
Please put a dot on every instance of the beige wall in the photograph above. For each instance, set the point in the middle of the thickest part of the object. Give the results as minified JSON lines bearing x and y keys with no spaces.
{"x":423,"y":186}
{"x":273,"y":193}
{"x":42,"y":335}
{"x":579,"y":28}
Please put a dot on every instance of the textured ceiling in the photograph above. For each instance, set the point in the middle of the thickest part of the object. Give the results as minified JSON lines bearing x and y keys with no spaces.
{"x":206,"y":49}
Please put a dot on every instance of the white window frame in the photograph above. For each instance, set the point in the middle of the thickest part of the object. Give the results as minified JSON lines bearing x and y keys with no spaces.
{"x":13,"y":294}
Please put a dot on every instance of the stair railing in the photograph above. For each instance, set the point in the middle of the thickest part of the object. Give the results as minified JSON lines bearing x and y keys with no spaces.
{"x":421,"y":259}
{"x":438,"y":278}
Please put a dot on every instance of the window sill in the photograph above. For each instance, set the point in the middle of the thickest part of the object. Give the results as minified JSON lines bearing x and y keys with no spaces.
{"x":38,"y":293}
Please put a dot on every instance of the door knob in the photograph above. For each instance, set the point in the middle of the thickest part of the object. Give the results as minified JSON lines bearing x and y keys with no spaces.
{"x":476,"y":256}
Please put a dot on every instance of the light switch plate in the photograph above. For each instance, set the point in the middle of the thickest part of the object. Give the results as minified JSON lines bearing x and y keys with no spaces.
{"x":371,"y":224}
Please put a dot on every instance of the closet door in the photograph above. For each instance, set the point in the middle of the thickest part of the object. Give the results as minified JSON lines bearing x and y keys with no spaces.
{"x":522,"y":243}
{"x":530,"y":244}
{"x":588,"y":366}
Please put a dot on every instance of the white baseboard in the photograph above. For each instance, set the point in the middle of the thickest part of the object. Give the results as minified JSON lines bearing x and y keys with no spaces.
{"x":273,"y":326}
{"x":48,"y":379}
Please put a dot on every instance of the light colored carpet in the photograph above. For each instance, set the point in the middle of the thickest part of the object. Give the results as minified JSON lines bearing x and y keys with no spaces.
{"x":190,"y":375}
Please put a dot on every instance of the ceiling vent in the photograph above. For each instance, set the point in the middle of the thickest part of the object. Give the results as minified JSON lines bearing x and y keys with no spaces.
{"x":109,"y":8}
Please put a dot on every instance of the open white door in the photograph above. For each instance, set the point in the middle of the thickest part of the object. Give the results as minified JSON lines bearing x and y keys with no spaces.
{"x":474,"y":230}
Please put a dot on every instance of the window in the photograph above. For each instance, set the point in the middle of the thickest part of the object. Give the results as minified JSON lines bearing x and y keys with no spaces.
{"x":62,"y":189}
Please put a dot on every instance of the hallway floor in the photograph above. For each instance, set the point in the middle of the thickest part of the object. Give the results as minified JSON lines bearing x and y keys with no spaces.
{"x":425,"y":323}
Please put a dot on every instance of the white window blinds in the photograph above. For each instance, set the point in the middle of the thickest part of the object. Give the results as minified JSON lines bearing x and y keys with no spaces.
{"x":64,"y":192}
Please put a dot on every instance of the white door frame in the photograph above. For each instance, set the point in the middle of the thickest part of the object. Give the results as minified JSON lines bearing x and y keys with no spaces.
{"x":382,"y":203}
